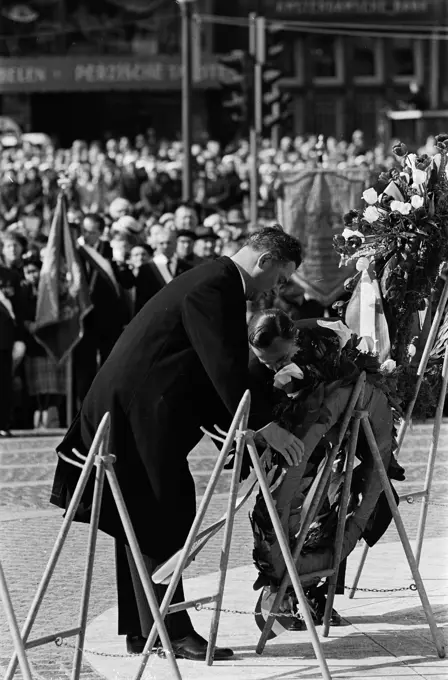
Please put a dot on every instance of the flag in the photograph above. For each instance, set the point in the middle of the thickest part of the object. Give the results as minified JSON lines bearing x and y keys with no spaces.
{"x":63,"y":298}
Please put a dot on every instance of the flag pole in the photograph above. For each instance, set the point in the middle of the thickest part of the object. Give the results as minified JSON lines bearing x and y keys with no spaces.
{"x":69,"y":389}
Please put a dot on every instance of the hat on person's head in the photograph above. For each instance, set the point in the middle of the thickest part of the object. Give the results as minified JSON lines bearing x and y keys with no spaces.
{"x":31,"y":259}
{"x":127,"y":224}
{"x":117,"y":206}
{"x":186,"y":233}
{"x":214,"y":221}
{"x":205,"y":233}
{"x":166,"y":217}
{"x":235,"y":217}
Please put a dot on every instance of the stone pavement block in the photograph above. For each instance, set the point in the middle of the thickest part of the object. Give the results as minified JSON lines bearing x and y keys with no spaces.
{"x":385,"y":636}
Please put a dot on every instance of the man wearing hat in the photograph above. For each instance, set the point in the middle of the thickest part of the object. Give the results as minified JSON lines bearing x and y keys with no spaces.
{"x":204,"y":246}
{"x":184,"y":248}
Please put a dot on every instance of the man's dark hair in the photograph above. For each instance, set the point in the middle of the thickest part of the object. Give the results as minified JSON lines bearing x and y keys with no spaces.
{"x":96,"y":219}
{"x":282,"y":246}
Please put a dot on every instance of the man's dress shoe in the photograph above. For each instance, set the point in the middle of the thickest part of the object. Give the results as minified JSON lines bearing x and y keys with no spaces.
{"x":135,"y":644}
{"x":194,"y":647}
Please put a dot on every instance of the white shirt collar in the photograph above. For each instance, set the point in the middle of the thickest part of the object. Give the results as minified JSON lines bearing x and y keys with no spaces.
{"x":240,"y":272}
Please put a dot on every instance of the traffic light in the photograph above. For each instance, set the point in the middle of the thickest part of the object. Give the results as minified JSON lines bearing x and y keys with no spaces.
{"x":238,"y":91}
{"x":275,"y":102}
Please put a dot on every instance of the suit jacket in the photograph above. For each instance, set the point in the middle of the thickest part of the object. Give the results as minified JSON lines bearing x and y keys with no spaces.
{"x":11,"y":309}
{"x":181,"y":363}
{"x":110,"y":312}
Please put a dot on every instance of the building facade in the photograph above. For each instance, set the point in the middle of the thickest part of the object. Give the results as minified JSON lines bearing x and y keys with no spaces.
{"x":340,"y":82}
{"x":86,"y":68}
{"x":83,"y":68}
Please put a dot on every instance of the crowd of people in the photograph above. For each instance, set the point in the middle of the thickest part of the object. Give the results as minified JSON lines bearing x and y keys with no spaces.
{"x":125,"y":202}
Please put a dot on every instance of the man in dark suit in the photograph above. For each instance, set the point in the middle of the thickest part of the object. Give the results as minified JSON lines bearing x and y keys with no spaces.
{"x":104,"y":324}
{"x":11,"y":332}
{"x":181,"y":363}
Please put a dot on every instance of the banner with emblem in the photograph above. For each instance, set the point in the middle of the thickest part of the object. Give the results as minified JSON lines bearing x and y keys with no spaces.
{"x":311,"y":208}
{"x":63,"y":297}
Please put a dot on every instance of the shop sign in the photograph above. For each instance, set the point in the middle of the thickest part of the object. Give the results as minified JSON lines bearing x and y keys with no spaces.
{"x":422,"y":10}
{"x":67,"y":74}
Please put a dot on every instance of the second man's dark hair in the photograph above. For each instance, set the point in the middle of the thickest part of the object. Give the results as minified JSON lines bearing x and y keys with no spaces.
{"x":283,"y":247}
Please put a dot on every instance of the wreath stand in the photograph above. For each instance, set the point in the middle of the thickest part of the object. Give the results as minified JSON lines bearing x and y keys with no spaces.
{"x":355,"y":411}
{"x":424,"y":494}
{"x":103,"y":461}
{"x":243,"y":437}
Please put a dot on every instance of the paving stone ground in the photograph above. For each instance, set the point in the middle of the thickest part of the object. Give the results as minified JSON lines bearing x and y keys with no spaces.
{"x":29,"y":526}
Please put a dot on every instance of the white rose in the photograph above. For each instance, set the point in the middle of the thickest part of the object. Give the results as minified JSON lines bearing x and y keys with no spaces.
{"x":371,"y":214}
{"x":370,"y":196}
{"x":417,"y":202}
{"x":388,"y":366}
{"x":401,"y":207}
{"x":419,"y":176}
{"x":352,"y":232}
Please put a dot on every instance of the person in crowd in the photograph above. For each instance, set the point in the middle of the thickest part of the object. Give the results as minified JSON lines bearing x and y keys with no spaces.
{"x":185,"y":217}
{"x":13,"y":245}
{"x":130,"y":182}
{"x":92,"y":229}
{"x":45,"y":379}
{"x":148,"y":280}
{"x":31,"y":194}
{"x":107,"y":280}
{"x":164,"y":256}
{"x":87,"y":191}
{"x":119,"y":208}
{"x":109,"y":188}
{"x":181,"y":363}
{"x":9,"y":198}
{"x":205,"y":243}
{"x":11,"y":340}
{"x":185,"y":240}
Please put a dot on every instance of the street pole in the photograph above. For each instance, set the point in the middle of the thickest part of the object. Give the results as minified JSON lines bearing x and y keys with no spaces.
{"x":186,"y":8}
{"x":257,"y":50}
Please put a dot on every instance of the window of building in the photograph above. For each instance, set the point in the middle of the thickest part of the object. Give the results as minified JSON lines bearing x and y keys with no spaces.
{"x":367,"y":60}
{"x":407,"y":59}
{"x":326,"y":56}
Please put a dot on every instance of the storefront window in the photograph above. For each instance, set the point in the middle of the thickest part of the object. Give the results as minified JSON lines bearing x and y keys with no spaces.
{"x":364,"y":57}
{"x":403,"y":57}
{"x":323,"y":55}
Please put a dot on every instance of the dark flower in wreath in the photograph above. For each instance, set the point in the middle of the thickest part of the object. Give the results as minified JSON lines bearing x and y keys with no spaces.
{"x":386,"y":200}
{"x":353,"y":242}
{"x":442,"y":141}
{"x":400,"y":149}
{"x":385,"y":177}
{"x":350,"y":217}
{"x":338,"y":241}
{"x":395,"y":218}
{"x":422,"y":162}
{"x":420,"y":214}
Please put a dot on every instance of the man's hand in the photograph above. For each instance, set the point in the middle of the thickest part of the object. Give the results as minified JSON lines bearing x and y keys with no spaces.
{"x":282,"y":441}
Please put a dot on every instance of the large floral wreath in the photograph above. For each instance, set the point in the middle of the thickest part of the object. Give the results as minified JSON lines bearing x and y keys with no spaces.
{"x":313,"y":393}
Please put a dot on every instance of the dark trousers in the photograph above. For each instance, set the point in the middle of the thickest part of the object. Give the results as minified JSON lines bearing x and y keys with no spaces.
{"x":134,"y":614}
{"x":88,"y":356}
{"x":5,"y":388}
